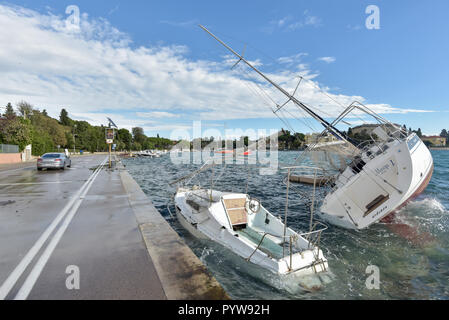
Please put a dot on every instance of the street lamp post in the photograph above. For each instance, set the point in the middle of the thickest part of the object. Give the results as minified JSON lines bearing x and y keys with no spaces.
{"x":74,"y":139}
{"x":74,"y":143}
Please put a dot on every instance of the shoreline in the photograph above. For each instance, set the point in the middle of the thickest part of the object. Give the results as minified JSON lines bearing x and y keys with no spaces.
{"x":439,"y":148}
{"x":182,"y":274}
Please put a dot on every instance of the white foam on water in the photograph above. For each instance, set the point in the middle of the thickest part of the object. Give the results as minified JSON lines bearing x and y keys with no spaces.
{"x":296,"y":283}
{"x":431,"y":204}
{"x":426,"y":209}
{"x":429,"y":213}
{"x":205,"y":253}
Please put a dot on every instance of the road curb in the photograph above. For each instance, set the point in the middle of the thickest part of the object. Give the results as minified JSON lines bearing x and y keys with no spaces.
{"x":182,"y":274}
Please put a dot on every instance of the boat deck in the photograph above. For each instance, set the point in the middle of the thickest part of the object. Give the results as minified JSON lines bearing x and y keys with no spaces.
{"x":268,"y":246}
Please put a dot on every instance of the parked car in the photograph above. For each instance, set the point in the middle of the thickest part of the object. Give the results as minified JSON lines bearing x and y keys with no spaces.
{"x":53,"y":161}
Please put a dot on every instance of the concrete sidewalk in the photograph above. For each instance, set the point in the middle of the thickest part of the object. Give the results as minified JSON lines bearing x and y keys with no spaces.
{"x":183,"y":276}
{"x":19,"y":165}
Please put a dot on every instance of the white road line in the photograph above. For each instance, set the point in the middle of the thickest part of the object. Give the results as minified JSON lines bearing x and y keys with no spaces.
{"x":6,"y":171}
{"x":33,"y":183}
{"x":43,"y":259}
{"x":18,"y":271}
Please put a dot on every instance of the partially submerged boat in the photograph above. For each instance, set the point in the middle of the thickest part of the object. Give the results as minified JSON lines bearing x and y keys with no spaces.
{"x":243,"y":225}
{"x":257,"y":236}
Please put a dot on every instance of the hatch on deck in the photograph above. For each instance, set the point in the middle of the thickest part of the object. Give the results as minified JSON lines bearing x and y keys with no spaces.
{"x":236,"y":211}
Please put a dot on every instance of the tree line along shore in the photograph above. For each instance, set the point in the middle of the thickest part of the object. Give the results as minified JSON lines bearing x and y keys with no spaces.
{"x":28,"y":125}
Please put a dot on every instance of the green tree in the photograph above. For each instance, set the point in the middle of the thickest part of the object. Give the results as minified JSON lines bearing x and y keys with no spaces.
{"x":85,"y":137}
{"x":445,"y":134}
{"x":125,"y":137}
{"x":25,"y":109}
{"x":42,"y":142}
{"x":16,"y":131}
{"x":419,"y":133}
{"x":404,"y":128}
{"x":70,"y":140}
{"x":51,"y":126}
{"x":46,"y":133}
{"x":136,"y":146}
{"x":64,"y":118}
{"x":139,"y":136}
{"x":9,"y":112}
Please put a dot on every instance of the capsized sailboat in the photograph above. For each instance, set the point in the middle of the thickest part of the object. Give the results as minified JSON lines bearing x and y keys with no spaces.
{"x":380,"y":176}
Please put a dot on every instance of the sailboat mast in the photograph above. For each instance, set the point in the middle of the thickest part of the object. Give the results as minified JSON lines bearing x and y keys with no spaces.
{"x":326,"y":124}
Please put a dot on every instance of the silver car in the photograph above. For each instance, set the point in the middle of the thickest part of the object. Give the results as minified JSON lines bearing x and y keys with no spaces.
{"x":53,"y":161}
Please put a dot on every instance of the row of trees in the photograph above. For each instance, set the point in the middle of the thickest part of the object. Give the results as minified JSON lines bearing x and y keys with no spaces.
{"x":286,"y":141}
{"x":365,"y":136}
{"x":29,"y":125}
{"x":444,"y":133}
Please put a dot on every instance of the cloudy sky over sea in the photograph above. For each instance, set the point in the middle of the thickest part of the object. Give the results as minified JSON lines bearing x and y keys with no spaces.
{"x":148,"y":64}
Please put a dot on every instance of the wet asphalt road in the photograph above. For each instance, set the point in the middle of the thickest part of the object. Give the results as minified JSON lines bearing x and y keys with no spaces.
{"x":102,"y":240}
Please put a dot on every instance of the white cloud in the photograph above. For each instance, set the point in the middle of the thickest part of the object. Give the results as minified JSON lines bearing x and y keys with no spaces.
{"x":327,"y":59}
{"x":113,"y":10}
{"x":289,"y":23}
{"x":157,"y":115}
{"x":312,"y":21}
{"x":121,"y":121}
{"x":282,"y":21}
{"x":181,"y":24}
{"x":354,"y":27}
{"x":307,"y":20}
{"x":292,"y":59}
{"x":97,"y":72}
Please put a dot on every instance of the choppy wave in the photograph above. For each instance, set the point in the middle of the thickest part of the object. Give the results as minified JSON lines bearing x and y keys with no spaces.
{"x":427,"y":206}
{"x":407,"y":270}
{"x":427,"y":213}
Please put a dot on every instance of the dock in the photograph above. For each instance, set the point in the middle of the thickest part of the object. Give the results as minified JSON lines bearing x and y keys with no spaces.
{"x":308,"y":179}
{"x":90,"y":233}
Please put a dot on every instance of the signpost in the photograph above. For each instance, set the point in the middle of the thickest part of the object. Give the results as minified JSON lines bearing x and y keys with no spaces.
{"x":110,"y":133}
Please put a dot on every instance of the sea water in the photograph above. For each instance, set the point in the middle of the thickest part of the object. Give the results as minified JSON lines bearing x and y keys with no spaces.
{"x":412,"y":255}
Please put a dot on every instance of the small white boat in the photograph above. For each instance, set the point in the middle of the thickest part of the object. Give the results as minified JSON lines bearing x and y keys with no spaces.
{"x":150,"y":153}
{"x":245,"y":227}
{"x":145,"y":153}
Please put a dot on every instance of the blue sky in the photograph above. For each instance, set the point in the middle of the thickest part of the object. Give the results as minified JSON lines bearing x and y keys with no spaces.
{"x":400,"y":70}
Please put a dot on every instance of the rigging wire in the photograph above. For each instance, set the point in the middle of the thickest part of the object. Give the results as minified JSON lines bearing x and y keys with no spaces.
{"x":266,"y":97}
{"x":259,"y":91}
{"x":303,"y":120}
{"x":276,"y":63}
{"x":334,"y":100}
{"x":258,"y":86}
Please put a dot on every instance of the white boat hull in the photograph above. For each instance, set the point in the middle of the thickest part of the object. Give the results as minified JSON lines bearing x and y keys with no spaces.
{"x":211,"y":223}
{"x":384,"y":185}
